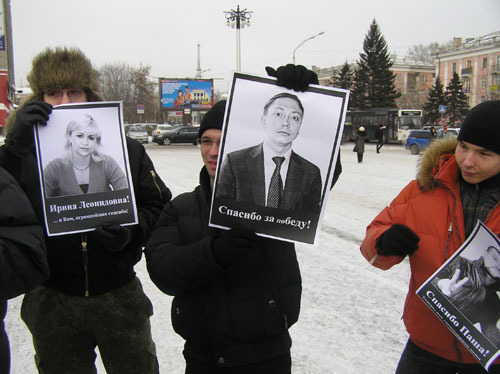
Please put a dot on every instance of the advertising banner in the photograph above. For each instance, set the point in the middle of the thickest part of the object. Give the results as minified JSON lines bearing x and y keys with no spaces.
{"x":186,"y":94}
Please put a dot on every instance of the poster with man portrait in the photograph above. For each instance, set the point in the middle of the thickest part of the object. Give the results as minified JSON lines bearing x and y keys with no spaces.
{"x":277,"y":158}
{"x":464,"y":293}
{"x":84,"y":169}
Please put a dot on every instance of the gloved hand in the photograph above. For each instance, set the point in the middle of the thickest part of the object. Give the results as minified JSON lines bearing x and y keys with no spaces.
{"x":232,"y":245}
{"x":295,"y":77}
{"x":20,"y":137}
{"x":113,"y":237}
{"x":399,"y":240}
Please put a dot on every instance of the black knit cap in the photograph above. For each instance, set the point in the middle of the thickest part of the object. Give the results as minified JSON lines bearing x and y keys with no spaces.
{"x":214,"y":118}
{"x":481,"y":126}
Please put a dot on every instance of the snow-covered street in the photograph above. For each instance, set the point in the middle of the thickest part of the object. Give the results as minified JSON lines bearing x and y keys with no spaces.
{"x":350,"y":320}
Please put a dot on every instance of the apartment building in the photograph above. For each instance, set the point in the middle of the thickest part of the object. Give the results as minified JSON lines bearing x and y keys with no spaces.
{"x":412,"y":78}
{"x":477,"y":62}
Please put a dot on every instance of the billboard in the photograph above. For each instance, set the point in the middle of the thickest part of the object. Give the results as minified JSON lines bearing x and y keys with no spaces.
{"x":186,"y":93}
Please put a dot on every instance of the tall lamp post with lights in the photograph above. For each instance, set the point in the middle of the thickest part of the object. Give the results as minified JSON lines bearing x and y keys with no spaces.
{"x":300,"y":45}
{"x":239,"y":19}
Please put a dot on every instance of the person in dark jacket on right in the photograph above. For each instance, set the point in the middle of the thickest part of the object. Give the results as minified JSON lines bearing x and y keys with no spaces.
{"x":236,"y":294}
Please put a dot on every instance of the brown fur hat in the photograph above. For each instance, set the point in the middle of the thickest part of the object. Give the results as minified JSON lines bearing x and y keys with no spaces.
{"x":60,"y":68}
{"x":63,"y":68}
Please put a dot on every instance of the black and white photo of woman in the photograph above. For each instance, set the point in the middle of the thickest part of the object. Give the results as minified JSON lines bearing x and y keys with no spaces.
{"x":83,"y":168}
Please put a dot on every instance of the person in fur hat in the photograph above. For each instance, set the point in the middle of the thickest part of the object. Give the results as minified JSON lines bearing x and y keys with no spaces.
{"x":458,"y":182}
{"x":92,"y":297}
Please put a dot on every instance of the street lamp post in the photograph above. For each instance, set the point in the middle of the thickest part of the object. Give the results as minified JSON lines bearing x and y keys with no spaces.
{"x":311,"y":37}
{"x":239,"y":19}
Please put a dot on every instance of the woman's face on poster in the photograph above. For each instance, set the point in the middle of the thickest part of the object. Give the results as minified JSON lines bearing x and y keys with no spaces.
{"x":83,"y":141}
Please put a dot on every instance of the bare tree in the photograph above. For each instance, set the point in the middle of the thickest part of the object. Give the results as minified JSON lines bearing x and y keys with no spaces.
{"x":426,"y":53}
{"x":133,"y":86}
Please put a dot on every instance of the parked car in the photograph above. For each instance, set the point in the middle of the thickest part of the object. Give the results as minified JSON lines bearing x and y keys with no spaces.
{"x":181,"y":134}
{"x":441,"y":133}
{"x":137,"y":131}
{"x":162,"y":129}
{"x":418,"y":140}
{"x":450,"y":131}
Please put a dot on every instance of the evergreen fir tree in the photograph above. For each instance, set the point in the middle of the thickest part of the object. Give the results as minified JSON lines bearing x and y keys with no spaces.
{"x":357,"y":97}
{"x":343,"y":78}
{"x":435,"y":97}
{"x":373,"y":75}
{"x":457,"y":104}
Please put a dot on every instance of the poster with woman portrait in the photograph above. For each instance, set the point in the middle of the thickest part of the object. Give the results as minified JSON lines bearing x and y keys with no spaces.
{"x":84,"y":168}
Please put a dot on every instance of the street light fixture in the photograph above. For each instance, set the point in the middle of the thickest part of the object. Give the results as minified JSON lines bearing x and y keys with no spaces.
{"x":311,"y":37}
{"x":239,"y":19}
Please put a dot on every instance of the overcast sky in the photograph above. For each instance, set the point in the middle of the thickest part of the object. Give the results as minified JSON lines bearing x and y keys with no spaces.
{"x":164,"y":34}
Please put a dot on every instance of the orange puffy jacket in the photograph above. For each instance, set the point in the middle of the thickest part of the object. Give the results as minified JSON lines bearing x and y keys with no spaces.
{"x":431,"y":207}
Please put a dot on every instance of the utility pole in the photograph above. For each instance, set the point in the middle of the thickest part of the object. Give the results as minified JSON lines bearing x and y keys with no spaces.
{"x":7,"y":80}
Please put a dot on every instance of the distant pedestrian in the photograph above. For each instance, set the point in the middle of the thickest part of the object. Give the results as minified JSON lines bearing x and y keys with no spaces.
{"x":433,"y":133}
{"x":360,"y":143}
{"x":379,"y":135}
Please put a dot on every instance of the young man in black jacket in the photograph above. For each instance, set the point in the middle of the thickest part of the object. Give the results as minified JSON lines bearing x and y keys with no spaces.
{"x":236,"y":294}
{"x":92,"y":297}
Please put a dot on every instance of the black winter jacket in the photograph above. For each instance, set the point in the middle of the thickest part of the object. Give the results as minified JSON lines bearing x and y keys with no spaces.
{"x":106,"y":271}
{"x":230,"y":317}
{"x":23,"y":257}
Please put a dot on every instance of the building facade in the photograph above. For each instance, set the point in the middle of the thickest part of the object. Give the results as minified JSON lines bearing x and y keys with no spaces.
{"x":412,"y":79}
{"x":477,"y":62}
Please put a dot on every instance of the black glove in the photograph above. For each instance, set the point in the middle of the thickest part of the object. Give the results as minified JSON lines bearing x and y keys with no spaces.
{"x":232,"y":245}
{"x":113,"y":237}
{"x":293,"y":76}
{"x":399,"y":240}
{"x":20,"y":137}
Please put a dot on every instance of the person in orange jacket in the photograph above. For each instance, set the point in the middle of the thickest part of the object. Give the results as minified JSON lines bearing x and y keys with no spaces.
{"x":458,"y":183}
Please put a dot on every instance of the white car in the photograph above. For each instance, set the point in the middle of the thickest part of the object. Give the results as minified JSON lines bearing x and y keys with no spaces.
{"x":137,"y":131}
{"x":162,"y":129}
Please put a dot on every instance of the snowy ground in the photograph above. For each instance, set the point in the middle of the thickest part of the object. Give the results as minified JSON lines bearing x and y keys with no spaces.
{"x":350,"y":320}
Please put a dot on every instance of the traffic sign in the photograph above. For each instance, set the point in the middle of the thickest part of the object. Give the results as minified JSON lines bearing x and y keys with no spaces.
{"x":140,"y":109}
{"x":442,"y":109}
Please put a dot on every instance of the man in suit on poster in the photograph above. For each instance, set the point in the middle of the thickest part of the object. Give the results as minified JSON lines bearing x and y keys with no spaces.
{"x":271,"y":173}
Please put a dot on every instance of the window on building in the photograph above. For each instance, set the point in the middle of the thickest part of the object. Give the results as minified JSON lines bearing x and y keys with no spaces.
{"x":469,"y":64}
{"x":467,"y":85}
{"x":454,"y":67}
{"x":422,"y":78}
{"x":498,"y":63}
{"x":483,"y":82}
{"x":399,"y":77}
{"x":483,"y":99}
{"x":485,"y":62}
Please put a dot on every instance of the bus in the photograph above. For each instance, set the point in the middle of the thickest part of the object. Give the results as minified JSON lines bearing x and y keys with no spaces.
{"x":398,"y":123}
